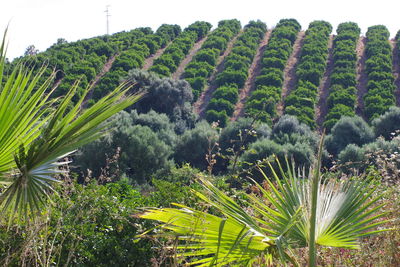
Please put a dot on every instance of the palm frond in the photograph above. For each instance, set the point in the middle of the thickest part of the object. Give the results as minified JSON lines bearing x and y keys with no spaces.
{"x":211,"y":240}
{"x":35,"y":136}
{"x":341,"y":214}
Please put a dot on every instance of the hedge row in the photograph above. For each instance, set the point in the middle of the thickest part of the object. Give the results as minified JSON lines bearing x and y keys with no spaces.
{"x":378,"y":66}
{"x":267,"y":93}
{"x":169,"y":61}
{"x":235,"y":73}
{"x":133,"y":58}
{"x":342,"y":97}
{"x":311,"y":67}
{"x":80,"y":60}
{"x":202,"y":66}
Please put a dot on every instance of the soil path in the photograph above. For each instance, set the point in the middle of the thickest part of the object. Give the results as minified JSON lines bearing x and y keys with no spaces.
{"x":148,"y":62}
{"x":205,"y":97}
{"x":396,"y":70}
{"x":362,"y":78}
{"x":289,"y":73}
{"x":181,"y":68}
{"x":56,"y":84}
{"x":106,"y":68}
{"x":254,"y":71}
{"x":323,"y":90}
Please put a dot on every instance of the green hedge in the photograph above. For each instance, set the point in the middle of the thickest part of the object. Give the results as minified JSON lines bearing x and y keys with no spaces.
{"x":311,"y":67}
{"x":268,"y":85}
{"x":378,"y":66}
{"x":342,"y":98}
{"x":208,"y":54}
{"x":235,"y":72}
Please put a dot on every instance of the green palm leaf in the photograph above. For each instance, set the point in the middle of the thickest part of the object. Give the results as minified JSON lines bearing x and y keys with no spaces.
{"x":282,"y":219}
{"x":35,"y":136}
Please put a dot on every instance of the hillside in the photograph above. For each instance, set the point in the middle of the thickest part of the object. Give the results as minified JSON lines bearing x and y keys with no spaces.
{"x":273,"y":119}
{"x":199,"y":56}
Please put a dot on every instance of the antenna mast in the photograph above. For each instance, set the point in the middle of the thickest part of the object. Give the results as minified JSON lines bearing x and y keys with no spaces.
{"x":107,"y":16}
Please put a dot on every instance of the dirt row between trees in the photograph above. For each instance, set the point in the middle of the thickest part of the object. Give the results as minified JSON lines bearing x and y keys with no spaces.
{"x":148,"y":62}
{"x":205,"y":97}
{"x":254,"y":71}
{"x":362,"y":78}
{"x":323,"y":90}
{"x":289,"y":73}
{"x":106,"y":68}
{"x":396,"y":70}
{"x":181,"y":68}
{"x":56,"y":84}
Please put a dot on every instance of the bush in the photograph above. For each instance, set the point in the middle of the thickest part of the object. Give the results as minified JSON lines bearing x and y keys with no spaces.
{"x":194,"y":145}
{"x":231,"y":77}
{"x":270,"y":79}
{"x":227,"y":92}
{"x":220,"y":104}
{"x":207,"y":55}
{"x":387,"y":124}
{"x":214,"y":116}
{"x":348,"y":130}
{"x":241,"y":133}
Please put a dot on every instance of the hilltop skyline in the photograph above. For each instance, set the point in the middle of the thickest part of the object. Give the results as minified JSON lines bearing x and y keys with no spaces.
{"x":40,"y":22}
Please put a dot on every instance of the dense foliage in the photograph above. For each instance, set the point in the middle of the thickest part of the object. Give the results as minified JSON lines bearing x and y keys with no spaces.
{"x":202,"y":66}
{"x":378,"y":66}
{"x":133,"y":57}
{"x":158,"y":148}
{"x":268,"y":85}
{"x":311,"y":67}
{"x":342,"y":93}
{"x":169,"y":61}
{"x":235,"y":73}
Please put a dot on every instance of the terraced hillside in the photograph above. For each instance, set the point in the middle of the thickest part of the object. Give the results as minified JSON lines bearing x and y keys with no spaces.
{"x":317,"y":73}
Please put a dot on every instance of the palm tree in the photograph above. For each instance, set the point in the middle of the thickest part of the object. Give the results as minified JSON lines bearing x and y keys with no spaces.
{"x":36,"y":134}
{"x":299,"y":210}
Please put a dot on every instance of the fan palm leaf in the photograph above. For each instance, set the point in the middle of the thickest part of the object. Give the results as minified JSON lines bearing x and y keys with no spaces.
{"x":298,"y":210}
{"x":35,"y":135}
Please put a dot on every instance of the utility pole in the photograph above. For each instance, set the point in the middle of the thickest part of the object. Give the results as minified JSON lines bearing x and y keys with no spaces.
{"x":107,"y":16}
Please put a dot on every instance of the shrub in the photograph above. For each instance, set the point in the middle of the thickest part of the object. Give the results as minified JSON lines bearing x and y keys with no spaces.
{"x":231,"y":77}
{"x":207,"y":55}
{"x":194,"y":145}
{"x":348,"y":130}
{"x":220,"y":104}
{"x":217,"y":116}
{"x":270,"y":79}
{"x":388,"y":123}
{"x":227,"y":92}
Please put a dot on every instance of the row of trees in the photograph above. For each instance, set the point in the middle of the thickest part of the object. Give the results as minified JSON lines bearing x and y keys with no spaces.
{"x":80,"y":60}
{"x":311,"y":67}
{"x":203,"y":64}
{"x":133,"y":57}
{"x":268,"y":85}
{"x":235,"y":73}
{"x":342,"y":96}
{"x":169,"y":61}
{"x":378,"y":66}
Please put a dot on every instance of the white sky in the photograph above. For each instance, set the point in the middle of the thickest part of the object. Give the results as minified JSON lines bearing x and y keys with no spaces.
{"x":42,"y":22}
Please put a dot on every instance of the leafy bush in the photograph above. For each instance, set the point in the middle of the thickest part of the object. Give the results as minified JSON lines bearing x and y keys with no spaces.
{"x":387,"y":124}
{"x":193,"y":146}
{"x":348,"y":130}
{"x":309,"y":71}
{"x":378,"y":67}
{"x":215,"y":44}
{"x":262,"y":102}
{"x":235,"y":71}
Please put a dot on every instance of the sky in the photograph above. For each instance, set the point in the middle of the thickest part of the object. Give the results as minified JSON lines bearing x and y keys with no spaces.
{"x":42,"y":22}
